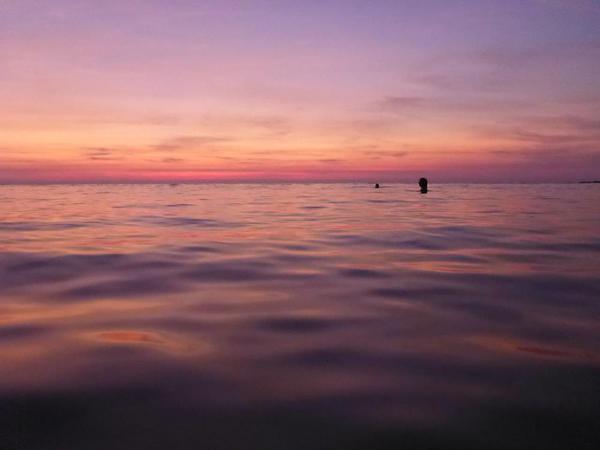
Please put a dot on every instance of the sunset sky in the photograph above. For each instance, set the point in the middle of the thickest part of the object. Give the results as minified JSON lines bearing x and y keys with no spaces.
{"x":382,"y":90}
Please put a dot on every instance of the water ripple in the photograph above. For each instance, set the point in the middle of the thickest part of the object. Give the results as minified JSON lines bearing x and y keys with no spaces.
{"x":375,"y":320}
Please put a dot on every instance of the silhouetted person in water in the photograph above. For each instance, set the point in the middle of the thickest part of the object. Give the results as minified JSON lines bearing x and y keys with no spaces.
{"x":423,"y":185}
{"x":376,"y":185}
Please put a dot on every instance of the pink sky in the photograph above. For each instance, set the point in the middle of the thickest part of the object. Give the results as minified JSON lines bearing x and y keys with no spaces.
{"x":265,"y":90}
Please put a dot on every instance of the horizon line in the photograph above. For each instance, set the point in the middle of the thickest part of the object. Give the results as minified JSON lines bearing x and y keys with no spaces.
{"x":187,"y":182}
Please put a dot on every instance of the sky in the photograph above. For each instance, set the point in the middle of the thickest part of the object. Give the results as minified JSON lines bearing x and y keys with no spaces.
{"x":323,"y":90}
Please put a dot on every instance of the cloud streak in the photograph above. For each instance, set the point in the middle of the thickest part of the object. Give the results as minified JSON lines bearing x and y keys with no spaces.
{"x":150,"y":91}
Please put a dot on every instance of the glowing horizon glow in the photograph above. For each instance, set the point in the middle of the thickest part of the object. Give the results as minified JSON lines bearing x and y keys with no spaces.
{"x":302,"y":91}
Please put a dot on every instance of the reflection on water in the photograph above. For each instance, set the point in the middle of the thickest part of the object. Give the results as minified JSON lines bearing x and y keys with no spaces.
{"x":299,"y":317}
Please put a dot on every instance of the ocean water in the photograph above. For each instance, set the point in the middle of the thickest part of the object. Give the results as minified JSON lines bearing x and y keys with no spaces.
{"x":299,"y":316}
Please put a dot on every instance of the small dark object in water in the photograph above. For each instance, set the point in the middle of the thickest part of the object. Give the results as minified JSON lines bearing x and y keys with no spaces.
{"x":423,"y":185}
{"x":376,"y":185}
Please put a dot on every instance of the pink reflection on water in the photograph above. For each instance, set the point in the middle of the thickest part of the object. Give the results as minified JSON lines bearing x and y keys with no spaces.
{"x":385,"y":306}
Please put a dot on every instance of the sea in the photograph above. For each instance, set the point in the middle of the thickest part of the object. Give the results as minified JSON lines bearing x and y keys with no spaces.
{"x":299,"y":317}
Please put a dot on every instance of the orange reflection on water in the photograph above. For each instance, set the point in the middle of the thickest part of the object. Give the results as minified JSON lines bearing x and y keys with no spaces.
{"x":382,"y":306}
{"x":131,"y":337}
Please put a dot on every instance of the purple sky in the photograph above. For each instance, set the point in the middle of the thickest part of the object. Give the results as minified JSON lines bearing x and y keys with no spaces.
{"x":313,"y":90}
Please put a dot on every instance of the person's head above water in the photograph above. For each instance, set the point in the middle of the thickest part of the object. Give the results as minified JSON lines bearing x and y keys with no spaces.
{"x":376,"y":185}
{"x":423,"y":185}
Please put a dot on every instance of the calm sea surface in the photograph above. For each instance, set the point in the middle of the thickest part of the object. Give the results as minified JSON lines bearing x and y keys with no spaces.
{"x":308,"y":316}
